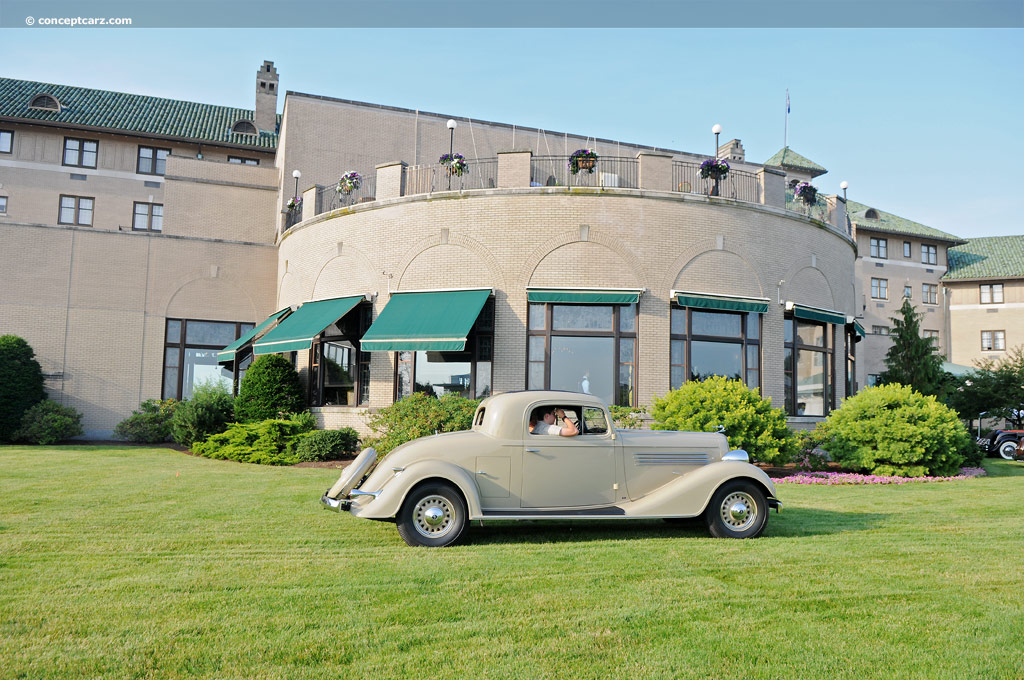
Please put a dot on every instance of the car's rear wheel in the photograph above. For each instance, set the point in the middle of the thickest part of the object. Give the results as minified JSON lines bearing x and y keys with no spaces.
{"x":433,"y":515}
{"x":738,"y":509}
{"x":1007,"y":449}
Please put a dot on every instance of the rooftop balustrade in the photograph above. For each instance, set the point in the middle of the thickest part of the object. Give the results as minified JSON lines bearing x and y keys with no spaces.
{"x":328,"y":197}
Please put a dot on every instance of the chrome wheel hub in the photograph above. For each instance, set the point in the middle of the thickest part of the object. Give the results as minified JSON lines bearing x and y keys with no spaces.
{"x":738,"y":511}
{"x":433,"y":516}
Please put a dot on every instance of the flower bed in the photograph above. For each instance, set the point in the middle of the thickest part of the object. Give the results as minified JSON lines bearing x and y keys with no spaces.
{"x":846,"y":478}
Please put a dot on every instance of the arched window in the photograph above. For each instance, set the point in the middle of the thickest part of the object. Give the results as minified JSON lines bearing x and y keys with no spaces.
{"x":871,"y":214}
{"x":243,"y":127}
{"x":45,"y":102}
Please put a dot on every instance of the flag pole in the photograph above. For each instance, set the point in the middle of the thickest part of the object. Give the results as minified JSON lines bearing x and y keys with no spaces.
{"x":785,"y":135}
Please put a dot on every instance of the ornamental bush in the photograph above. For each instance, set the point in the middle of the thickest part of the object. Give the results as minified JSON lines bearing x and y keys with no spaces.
{"x":48,"y":423}
{"x":267,"y":442}
{"x":893,"y":430}
{"x":271,"y":387}
{"x":750,"y":422}
{"x":207,"y":412}
{"x":21,"y":383}
{"x":148,"y":424}
{"x":327,"y":444}
{"x":419,"y":415}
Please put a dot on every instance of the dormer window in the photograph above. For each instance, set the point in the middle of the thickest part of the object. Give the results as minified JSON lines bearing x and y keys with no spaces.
{"x":45,"y":102}
{"x":871,"y":214}
{"x":244,"y":127}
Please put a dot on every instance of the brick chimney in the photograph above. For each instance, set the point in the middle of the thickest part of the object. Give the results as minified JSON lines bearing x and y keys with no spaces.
{"x":266,"y":97}
{"x":732,"y":151}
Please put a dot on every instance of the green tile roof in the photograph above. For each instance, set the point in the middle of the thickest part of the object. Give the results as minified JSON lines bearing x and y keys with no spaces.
{"x":131,"y":113}
{"x":787,"y":158}
{"x":894,"y":224}
{"x":990,"y":257}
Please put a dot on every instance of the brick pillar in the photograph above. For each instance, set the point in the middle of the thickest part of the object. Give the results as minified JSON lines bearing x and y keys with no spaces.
{"x":514,"y":169}
{"x":837,"y":213}
{"x":655,"y":171}
{"x":309,"y":203}
{"x":772,"y":185}
{"x":390,"y":180}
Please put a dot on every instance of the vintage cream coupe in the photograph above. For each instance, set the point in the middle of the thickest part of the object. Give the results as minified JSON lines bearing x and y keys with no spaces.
{"x":432,"y":486}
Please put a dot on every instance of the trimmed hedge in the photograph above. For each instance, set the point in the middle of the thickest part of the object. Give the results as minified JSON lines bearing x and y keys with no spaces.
{"x":149,"y":424}
{"x":48,"y":423}
{"x":893,"y":430}
{"x":327,"y":444}
{"x":270,"y":387}
{"x":750,"y":422}
{"x":21,"y":383}
{"x":268,"y":442}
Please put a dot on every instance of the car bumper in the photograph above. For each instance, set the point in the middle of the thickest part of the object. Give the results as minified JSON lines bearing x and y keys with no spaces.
{"x":335,"y":504}
{"x":775,"y":504}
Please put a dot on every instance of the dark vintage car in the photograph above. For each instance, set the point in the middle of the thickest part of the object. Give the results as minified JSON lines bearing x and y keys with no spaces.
{"x":1002,"y":443}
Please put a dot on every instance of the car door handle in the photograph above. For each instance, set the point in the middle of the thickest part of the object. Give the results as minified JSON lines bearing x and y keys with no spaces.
{"x":533,"y":450}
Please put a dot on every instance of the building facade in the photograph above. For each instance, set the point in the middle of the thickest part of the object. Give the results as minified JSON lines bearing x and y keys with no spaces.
{"x":177,"y":259}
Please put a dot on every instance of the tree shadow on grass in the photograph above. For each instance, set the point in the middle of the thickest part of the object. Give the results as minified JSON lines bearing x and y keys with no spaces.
{"x":790,"y":523}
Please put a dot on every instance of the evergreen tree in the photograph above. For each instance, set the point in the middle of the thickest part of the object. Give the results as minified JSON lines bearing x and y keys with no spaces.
{"x":912,"y":360}
{"x":21,"y":383}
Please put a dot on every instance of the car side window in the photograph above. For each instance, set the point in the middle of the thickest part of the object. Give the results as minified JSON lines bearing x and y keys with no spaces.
{"x":594,"y":421}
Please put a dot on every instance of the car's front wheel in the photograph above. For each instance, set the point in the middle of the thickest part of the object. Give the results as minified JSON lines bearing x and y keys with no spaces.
{"x":1007,"y":449}
{"x":433,"y":515}
{"x":738,"y":509}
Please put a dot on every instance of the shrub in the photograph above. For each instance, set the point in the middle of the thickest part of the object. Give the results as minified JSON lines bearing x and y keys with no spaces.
{"x":626,"y":417}
{"x":893,"y":430}
{"x":21,"y":383}
{"x":419,"y":415}
{"x":327,"y":444}
{"x":48,"y":423}
{"x":270,"y":387}
{"x":268,"y":442}
{"x":207,"y":412}
{"x":810,"y":457}
{"x":149,"y":424}
{"x":750,"y":422}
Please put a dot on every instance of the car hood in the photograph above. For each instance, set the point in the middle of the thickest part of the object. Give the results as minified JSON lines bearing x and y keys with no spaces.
{"x":714,"y":443}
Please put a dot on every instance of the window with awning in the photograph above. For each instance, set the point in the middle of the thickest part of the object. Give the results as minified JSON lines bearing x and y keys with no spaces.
{"x":584,"y":296}
{"x":721,"y":303}
{"x":242,"y":344}
{"x":298,"y":330}
{"x":815,"y":314}
{"x":437,"y":321}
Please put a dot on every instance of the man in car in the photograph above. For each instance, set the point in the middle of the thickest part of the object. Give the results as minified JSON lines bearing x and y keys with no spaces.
{"x":545,"y":420}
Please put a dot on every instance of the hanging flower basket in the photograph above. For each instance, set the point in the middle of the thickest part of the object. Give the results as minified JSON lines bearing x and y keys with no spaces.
{"x":349,"y":182}
{"x":714,"y":168}
{"x":582,"y":159}
{"x":294,"y":204}
{"x":455,"y":163}
{"x":806,"y":192}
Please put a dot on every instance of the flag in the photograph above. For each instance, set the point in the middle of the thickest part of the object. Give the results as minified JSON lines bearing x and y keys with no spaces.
{"x":787,"y":100}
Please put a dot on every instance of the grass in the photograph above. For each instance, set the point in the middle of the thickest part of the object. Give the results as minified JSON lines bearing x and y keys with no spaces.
{"x":137,"y":562}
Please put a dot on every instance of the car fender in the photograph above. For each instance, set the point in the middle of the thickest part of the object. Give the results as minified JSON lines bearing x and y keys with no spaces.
{"x":689,"y":494}
{"x":387,"y":503}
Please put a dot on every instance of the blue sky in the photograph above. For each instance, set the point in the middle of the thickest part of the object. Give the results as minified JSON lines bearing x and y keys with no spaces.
{"x":923,"y":123}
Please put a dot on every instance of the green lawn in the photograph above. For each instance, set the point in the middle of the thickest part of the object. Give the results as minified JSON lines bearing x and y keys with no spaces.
{"x":138,"y":562}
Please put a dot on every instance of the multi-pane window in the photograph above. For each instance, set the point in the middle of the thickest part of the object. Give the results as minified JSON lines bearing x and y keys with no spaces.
{"x":148,"y":217}
{"x":880,"y":248}
{"x":930,"y":293}
{"x":880,"y":289}
{"x":466,"y":373}
{"x":706,"y":343}
{"x":808,"y":367}
{"x":584,"y":348}
{"x":991,"y":293}
{"x":339,"y":371}
{"x":880,"y":330}
{"x":3,"y":205}
{"x":929,"y":254}
{"x":851,"y":361}
{"x":906,"y":249}
{"x":80,"y":153}
{"x":908,"y":291}
{"x":993,"y":340}
{"x":6,"y":141}
{"x":152,"y":161}
{"x":75,"y":210}
{"x":190,"y":355}
{"x":932,"y":335}
{"x":239,"y":160}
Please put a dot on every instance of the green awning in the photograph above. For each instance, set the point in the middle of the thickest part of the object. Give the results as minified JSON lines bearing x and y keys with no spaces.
{"x":437,"y":320}
{"x":585,"y":296}
{"x":859,"y":329}
{"x":296,"y":332}
{"x":728,"y":303}
{"x":816,"y":314}
{"x":227,"y":355}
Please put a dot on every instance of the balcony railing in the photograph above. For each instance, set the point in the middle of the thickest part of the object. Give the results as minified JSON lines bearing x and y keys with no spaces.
{"x":738,"y":185}
{"x":818,"y":210}
{"x":328,"y":198}
{"x":292,"y":217}
{"x":609,"y":171}
{"x":481,"y":173}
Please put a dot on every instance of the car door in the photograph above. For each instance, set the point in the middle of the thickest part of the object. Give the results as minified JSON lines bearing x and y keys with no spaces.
{"x":566,"y":472}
